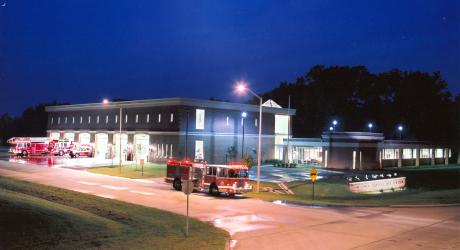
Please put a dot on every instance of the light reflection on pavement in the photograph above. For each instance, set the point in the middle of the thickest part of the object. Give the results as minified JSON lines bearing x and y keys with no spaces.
{"x":56,"y":161}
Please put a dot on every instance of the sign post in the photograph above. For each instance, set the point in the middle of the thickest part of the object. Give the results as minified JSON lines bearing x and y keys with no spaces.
{"x":187,"y":188}
{"x":313,"y":175}
{"x":142,"y":166}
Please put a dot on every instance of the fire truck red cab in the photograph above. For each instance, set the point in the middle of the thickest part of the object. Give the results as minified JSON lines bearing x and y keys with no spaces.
{"x":216,"y":179}
{"x":24,"y":146}
{"x":60,"y":147}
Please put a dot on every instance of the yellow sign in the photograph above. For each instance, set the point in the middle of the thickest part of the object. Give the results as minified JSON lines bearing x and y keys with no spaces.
{"x":313,"y":174}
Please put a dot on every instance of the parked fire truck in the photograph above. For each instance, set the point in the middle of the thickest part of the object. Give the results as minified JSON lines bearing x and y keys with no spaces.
{"x":60,"y":147}
{"x":216,"y":179}
{"x":24,"y":146}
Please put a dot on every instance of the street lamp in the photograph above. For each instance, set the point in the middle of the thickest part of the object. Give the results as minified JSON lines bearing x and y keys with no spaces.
{"x":334,"y":123}
{"x":241,"y":88}
{"x":243,"y":115}
{"x":331,"y":128}
{"x":105,"y":102}
{"x":400,"y":129}
{"x":370,"y":125}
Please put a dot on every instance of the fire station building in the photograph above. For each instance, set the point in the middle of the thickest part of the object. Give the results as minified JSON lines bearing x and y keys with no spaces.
{"x":156,"y":129}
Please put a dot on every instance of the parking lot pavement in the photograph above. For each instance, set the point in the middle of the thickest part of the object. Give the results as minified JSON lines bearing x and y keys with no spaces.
{"x":278,"y":174}
{"x":60,"y":161}
{"x":256,"y":224}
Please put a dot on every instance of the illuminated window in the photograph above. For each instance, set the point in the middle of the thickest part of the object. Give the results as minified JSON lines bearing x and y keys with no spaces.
{"x":52,"y":120}
{"x":425,"y":153}
{"x":242,"y":121}
{"x":97,"y":119}
{"x":255,"y":122}
{"x":199,"y":123}
{"x":171,"y":117}
{"x":159,"y":118}
{"x":390,"y":154}
{"x":89,"y":119}
{"x":59,"y":120}
{"x":281,"y":124}
{"x":126,"y":118}
{"x":116,"y":119}
{"x":65,"y":120}
{"x":439,"y":153}
{"x":227,"y":120}
{"x":137,"y":118}
{"x":73,"y":119}
{"x":408,"y":153}
{"x":148,"y":118}
{"x":199,"y":152}
{"x":106,"y":119}
{"x":81,"y":119}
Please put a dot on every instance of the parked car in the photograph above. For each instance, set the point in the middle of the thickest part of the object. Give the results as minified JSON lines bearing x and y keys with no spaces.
{"x":81,"y":151}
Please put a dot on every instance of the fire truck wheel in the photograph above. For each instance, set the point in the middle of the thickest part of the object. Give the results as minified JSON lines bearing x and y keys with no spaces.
{"x":213,"y":190}
{"x":177,"y":184}
{"x":77,"y":155}
{"x":24,"y":153}
{"x":61,"y":153}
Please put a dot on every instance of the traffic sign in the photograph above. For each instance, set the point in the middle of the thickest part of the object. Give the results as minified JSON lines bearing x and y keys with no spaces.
{"x":313,"y":174}
{"x":187,"y":187}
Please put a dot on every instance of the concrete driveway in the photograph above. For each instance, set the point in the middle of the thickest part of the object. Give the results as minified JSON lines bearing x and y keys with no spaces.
{"x":256,"y":224}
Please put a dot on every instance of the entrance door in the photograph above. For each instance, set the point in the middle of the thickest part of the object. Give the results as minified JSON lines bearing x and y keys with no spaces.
{"x":84,"y":138}
{"x":116,"y":146}
{"x":102,"y":142}
{"x":141,"y":146}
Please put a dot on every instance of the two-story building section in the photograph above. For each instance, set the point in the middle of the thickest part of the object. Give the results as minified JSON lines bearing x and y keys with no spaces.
{"x":157,"y":129}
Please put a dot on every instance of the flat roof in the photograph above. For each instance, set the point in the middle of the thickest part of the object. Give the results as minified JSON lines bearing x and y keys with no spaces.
{"x":177,"y":101}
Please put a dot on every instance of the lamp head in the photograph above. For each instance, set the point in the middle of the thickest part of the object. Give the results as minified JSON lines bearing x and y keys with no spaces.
{"x":334,"y":122}
{"x":244,"y":114}
{"x":370,"y":125}
{"x":240,"y":87}
{"x":105,"y":101}
{"x":400,"y":128}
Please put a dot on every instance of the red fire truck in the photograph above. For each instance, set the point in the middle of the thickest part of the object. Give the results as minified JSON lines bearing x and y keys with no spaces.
{"x":216,"y":179}
{"x":60,"y":147}
{"x":24,"y":146}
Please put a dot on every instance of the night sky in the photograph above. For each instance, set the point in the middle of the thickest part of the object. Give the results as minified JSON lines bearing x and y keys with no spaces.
{"x":82,"y":51}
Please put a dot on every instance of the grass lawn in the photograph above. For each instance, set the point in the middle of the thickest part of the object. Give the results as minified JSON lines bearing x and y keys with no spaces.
{"x":151,"y":170}
{"x":336,"y":192}
{"x":37,"y":216}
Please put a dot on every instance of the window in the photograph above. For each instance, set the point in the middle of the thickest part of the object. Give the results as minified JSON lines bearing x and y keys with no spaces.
{"x":212,"y":171}
{"x":97,"y":119}
{"x":227,"y":120}
{"x":59,"y":120}
{"x":81,"y":119}
{"x":439,"y":153}
{"x":73,"y":119}
{"x":116,"y":119}
{"x":408,"y":153}
{"x":65,"y":120}
{"x":106,"y":119}
{"x":148,"y":118}
{"x":126,"y":118}
{"x":199,"y":119}
{"x":159,"y":118}
{"x":52,"y":120}
{"x":171,"y":117}
{"x":199,"y":153}
{"x":89,"y":119}
{"x":425,"y":153}
{"x":390,"y":154}
{"x":242,"y":121}
{"x":255,"y":122}
{"x":137,"y":118}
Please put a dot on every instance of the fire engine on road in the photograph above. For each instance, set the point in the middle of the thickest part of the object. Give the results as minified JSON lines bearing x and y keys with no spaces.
{"x":24,"y":146}
{"x":216,"y":179}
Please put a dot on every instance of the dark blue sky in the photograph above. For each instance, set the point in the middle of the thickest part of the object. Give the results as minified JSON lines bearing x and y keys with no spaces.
{"x":81,"y":51}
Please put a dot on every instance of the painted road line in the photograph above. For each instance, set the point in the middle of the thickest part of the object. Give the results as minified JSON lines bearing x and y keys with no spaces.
{"x":88,"y":183}
{"x":106,"y":196}
{"x":82,"y":191}
{"x":113,"y":187}
{"x":140,"y":192}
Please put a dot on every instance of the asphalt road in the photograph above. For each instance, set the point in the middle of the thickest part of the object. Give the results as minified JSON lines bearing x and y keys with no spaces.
{"x":256,"y":224}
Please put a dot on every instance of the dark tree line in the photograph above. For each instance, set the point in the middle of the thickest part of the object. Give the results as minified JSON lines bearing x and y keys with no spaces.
{"x":32,"y":122}
{"x":354,"y":96}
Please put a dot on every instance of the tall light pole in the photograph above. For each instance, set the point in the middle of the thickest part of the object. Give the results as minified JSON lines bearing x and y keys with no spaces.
{"x":242,"y":88}
{"x":243,"y":115}
{"x":400,"y":129}
{"x":105,"y":102}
